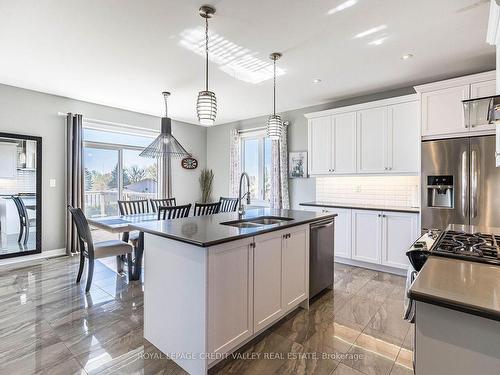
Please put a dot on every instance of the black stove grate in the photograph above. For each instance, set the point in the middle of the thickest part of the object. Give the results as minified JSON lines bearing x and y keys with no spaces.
{"x":479,"y":247}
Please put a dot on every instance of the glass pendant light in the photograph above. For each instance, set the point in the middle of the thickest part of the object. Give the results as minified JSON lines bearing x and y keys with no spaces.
{"x":206,"y":106}
{"x":274,"y":123}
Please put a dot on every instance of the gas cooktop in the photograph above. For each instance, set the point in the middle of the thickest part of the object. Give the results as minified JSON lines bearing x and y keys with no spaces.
{"x":477,"y":247}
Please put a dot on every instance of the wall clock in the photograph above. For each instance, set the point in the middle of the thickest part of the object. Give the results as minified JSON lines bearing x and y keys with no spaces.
{"x":189,"y":163}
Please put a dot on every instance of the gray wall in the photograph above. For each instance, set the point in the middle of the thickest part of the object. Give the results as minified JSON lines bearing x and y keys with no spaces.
{"x":34,"y":113}
{"x":301,"y":190}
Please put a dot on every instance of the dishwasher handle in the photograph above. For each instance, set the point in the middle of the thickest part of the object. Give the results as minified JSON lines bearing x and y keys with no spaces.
{"x":322,"y":224}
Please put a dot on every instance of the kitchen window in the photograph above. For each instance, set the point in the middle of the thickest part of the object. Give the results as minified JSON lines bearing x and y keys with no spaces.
{"x":114,"y":170}
{"x":256,"y":154}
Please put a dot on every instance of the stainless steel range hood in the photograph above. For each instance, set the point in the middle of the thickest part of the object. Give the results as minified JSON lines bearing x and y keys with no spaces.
{"x":482,"y":111}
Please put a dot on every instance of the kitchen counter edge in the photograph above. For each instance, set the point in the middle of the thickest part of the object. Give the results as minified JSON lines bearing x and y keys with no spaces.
{"x":412,"y":210}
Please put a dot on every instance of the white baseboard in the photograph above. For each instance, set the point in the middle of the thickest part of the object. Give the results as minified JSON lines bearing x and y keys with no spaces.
{"x":43,"y":255}
{"x":371,"y":266}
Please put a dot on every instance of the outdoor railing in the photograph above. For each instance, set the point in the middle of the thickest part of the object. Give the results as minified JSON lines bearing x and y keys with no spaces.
{"x":104,"y":203}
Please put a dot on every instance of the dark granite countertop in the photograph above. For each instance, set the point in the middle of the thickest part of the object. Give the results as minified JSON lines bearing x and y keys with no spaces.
{"x":460,"y":285}
{"x":371,"y":207}
{"x":207,"y":231}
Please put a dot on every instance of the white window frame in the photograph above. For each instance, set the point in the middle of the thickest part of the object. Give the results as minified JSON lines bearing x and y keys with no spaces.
{"x":259,"y":135}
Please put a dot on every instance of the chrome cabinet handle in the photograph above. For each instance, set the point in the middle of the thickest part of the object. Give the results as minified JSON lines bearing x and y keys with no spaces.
{"x":464,"y":184}
{"x":474,"y":182}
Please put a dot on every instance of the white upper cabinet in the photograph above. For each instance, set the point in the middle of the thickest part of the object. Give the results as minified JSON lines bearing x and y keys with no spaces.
{"x":8,"y":160}
{"x":442,"y":111}
{"x":372,"y":140}
{"x":378,"y":137}
{"x":344,"y":143}
{"x":320,"y":145}
{"x":403,"y":133}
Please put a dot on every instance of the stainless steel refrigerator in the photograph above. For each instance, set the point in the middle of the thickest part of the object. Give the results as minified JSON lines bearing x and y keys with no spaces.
{"x":460,"y":183}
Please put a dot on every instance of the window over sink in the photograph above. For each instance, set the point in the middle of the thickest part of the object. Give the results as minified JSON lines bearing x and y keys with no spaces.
{"x":256,"y":160}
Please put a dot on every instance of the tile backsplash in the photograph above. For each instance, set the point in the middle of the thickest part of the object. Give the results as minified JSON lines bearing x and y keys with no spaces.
{"x":24,"y":182}
{"x":400,"y":191}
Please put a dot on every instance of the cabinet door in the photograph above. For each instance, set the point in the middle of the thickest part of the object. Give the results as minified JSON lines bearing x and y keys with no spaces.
{"x":8,"y":160}
{"x":320,"y":145}
{"x":344,"y":143}
{"x":366,"y":241}
{"x":399,"y":231}
{"x":343,"y":232}
{"x":443,"y":111}
{"x":267,"y":279}
{"x":479,"y":119}
{"x":230,"y":294}
{"x":295,"y":262}
{"x":403,"y":133}
{"x":372,"y":140}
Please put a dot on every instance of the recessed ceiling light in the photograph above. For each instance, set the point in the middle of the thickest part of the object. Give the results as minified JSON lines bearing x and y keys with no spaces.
{"x":373,"y":30}
{"x":407,"y":56}
{"x":377,"y":42}
{"x":316,"y":80}
{"x":342,"y":6}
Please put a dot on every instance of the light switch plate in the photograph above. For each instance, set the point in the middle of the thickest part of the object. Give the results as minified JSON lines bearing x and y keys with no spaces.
{"x":52,"y":182}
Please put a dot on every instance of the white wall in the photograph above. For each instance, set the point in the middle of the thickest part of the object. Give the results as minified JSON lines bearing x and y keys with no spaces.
{"x":301,"y":190}
{"x":34,"y":113}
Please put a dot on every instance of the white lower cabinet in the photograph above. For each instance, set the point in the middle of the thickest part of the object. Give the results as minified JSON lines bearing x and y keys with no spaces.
{"x":267,"y":289}
{"x":230,"y":298}
{"x":295,"y":266}
{"x":254,"y":282}
{"x":366,"y":235}
{"x":399,"y":231}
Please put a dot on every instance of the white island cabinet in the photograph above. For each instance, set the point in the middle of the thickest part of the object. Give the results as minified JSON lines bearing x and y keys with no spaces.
{"x":202,"y":303}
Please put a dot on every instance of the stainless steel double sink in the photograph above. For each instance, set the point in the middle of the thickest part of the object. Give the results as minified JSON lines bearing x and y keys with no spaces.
{"x":256,"y":222}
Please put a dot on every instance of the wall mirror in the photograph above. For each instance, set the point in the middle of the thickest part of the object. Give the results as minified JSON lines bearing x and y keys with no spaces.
{"x":20,"y":195}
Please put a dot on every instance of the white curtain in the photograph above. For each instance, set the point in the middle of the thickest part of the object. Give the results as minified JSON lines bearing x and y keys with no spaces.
{"x":234,"y":162}
{"x":279,"y":172}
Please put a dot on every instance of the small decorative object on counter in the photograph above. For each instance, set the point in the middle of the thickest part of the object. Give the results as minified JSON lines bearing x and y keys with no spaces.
{"x":189,"y":163}
{"x":297,"y":164}
{"x":206,"y":184}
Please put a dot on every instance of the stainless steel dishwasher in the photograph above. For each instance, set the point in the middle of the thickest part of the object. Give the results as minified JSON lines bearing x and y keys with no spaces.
{"x":321,"y":256}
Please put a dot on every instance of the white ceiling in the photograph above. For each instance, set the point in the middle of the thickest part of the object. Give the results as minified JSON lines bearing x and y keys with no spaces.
{"x":124,"y":53}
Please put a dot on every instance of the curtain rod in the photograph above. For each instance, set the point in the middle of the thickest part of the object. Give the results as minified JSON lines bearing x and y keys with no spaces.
{"x":110,"y":123}
{"x":259,"y":128}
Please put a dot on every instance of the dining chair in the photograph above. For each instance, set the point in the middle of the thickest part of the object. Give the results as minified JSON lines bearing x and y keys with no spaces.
{"x":228,"y":204}
{"x":140,"y":206}
{"x":173,"y":212}
{"x":24,"y":221}
{"x":97,"y":250}
{"x":166,"y":202}
{"x":201,"y":209}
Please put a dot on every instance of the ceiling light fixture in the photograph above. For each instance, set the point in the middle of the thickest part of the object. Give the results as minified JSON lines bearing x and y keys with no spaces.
{"x":316,"y":80}
{"x":165,"y":144}
{"x":377,"y":42}
{"x":407,"y":56}
{"x":206,"y":105}
{"x":274,"y":123}
{"x":342,"y":6}
{"x":371,"y":31}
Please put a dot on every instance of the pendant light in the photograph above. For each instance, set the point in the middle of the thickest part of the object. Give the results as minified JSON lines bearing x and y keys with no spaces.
{"x":274,"y":123}
{"x":206,"y":106}
{"x":165,"y":144}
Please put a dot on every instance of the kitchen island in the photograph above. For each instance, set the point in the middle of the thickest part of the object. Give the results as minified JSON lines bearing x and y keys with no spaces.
{"x":212,"y":283}
{"x":457,"y":327}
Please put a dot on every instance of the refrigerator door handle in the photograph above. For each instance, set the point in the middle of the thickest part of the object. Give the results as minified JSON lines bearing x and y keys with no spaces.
{"x":474,"y":183}
{"x":464,"y":185}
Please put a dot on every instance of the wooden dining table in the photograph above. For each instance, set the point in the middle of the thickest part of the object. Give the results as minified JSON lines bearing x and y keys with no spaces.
{"x":122,"y":225}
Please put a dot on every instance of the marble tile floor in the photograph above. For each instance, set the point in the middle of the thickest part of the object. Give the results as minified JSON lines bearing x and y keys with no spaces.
{"x":49,"y":326}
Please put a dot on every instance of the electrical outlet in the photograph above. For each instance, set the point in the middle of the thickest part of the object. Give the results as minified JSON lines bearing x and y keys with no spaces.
{"x":358,"y":189}
{"x":52,"y":182}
